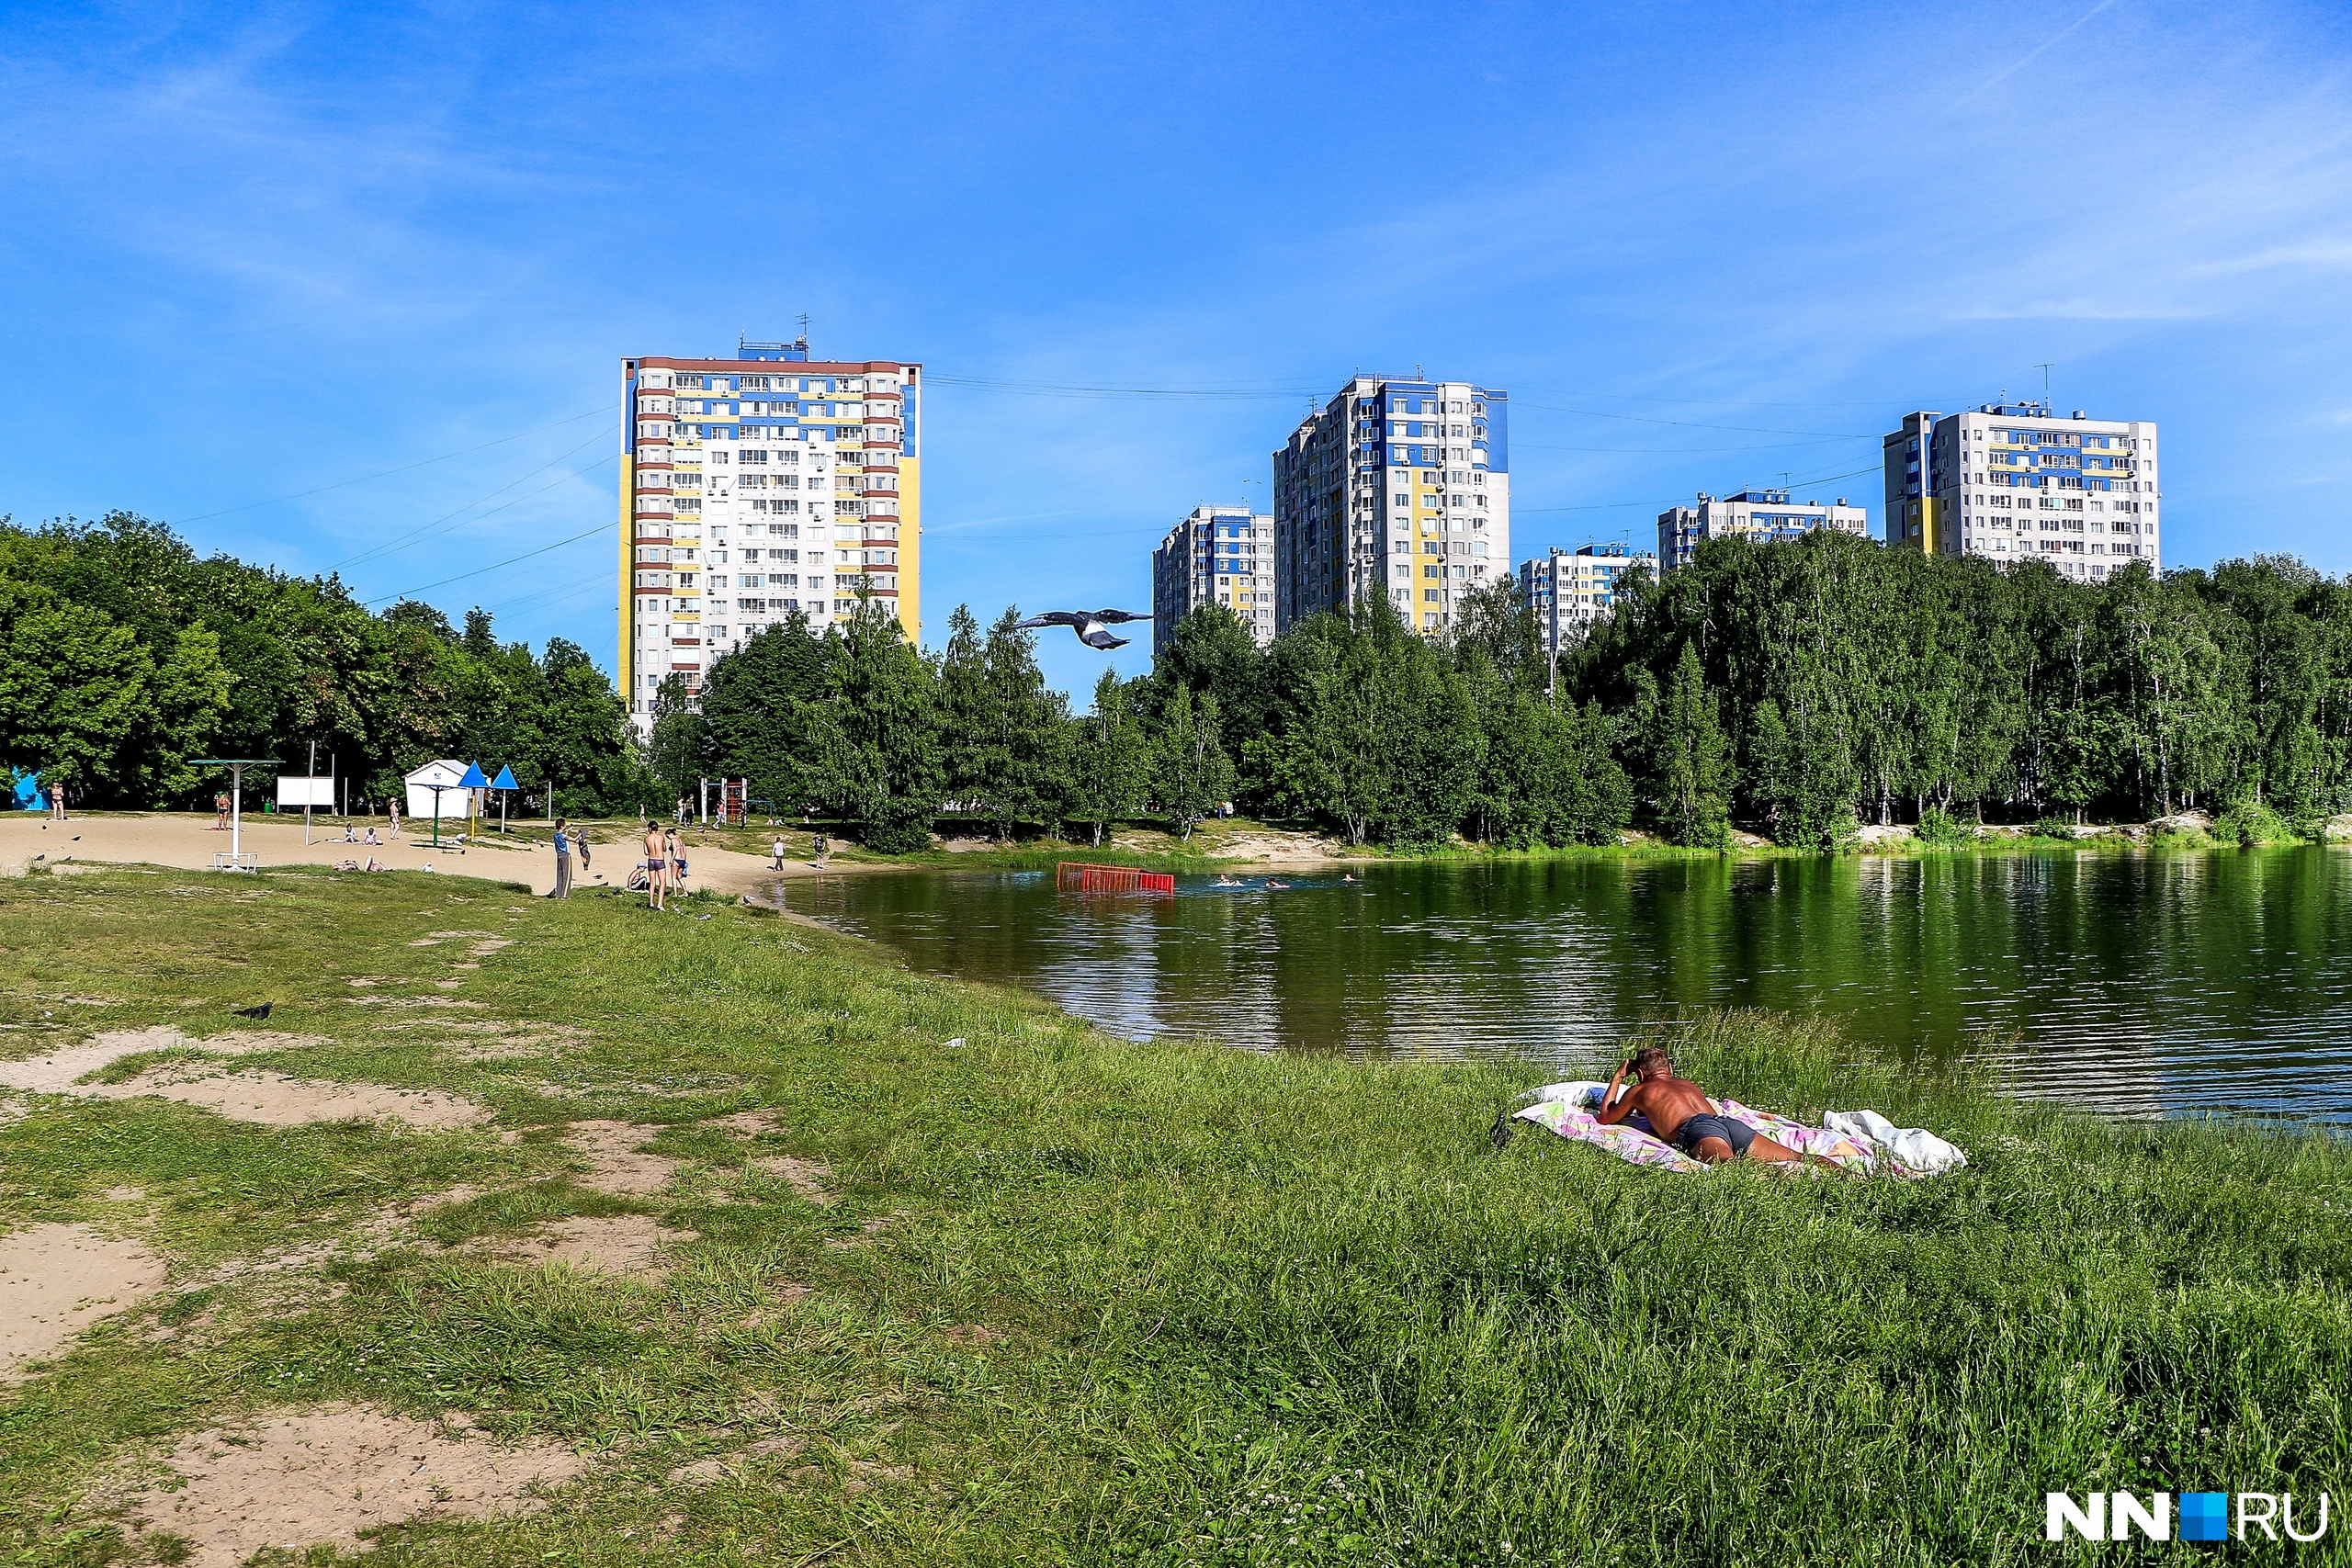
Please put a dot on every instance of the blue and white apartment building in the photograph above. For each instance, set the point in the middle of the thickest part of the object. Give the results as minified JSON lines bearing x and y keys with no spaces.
{"x":1758,"y":514}
{"x":1219,"y":555}
{"x":1571,"y":590}
{"x":2011,"y":481}
{"x":1396,"y":486}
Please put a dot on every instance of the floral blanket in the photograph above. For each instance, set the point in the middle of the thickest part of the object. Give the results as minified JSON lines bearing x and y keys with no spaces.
{"x":1570,"y":1115}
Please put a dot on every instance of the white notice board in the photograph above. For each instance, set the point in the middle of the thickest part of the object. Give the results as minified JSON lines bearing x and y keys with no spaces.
{"x":295,"y":790}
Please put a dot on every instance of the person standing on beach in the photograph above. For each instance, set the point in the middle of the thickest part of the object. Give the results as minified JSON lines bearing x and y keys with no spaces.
{"x":563,"y":862}
{"x":220,"y":812}
{"x":57,"y":801}
{"x":776,"y":851}
{"x":677,"y":861}
{"x":392,"y":810}
{"x":656,"y":866}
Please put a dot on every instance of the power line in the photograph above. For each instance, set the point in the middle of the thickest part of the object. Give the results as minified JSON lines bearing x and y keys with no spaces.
{"x":526,"y":555}
{"x":1063,"y":390}
{"x":1617,"y":505}
{"x":423,"y":462}
{"x":415,"y":535}
{"x":563,"y":593}
{"x":1678,"y":451}
{"x":1697,"y":425}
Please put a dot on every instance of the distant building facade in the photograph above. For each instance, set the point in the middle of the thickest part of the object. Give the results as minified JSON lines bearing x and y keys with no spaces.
{"x":1760,"y":515}
{"x":1570,"y":589}
{"x":1395,"y":487}
{"x":1219,"y":555}
{"x":2012,"y":481}
{"x":754,"y":486}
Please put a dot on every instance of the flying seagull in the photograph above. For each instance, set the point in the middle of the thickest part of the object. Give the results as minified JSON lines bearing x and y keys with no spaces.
{"x":1089,"y":625}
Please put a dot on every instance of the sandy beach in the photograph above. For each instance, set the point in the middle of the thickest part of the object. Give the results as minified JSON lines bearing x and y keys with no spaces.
{"x":188,"y":840}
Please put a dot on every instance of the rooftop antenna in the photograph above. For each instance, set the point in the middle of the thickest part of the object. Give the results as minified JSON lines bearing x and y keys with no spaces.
{"x":804,"y":326}
{"x":2044,"y":368}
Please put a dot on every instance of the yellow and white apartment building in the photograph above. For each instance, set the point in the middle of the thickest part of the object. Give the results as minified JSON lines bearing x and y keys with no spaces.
{"x":756,"y":486}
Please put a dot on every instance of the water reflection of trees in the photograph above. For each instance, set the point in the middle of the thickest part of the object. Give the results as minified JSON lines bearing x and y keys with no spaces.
{"x":2141,"y":980}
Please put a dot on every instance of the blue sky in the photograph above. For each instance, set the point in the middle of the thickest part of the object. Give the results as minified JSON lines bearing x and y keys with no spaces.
{"x":247,"y":253}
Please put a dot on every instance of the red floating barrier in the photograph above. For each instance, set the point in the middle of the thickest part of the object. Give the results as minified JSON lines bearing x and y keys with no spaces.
{"x":1077,"y":876}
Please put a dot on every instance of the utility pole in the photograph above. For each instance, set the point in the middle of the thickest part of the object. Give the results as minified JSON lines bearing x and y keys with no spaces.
{"x":313,"y":773}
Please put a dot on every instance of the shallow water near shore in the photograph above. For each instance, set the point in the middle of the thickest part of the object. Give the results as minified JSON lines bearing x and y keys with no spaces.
{"x":2141,"y":983}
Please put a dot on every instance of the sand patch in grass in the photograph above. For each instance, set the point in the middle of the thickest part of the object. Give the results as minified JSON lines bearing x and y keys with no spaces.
{"x":867,"y":1231}
{"x":57,"y":1280}
{"x":703,"y":1471}
{"x":60,"y":1072}
{"x":616,"y":1243}
{"x":615,"y":1165}
{"x":275,"y":1100}
{"x":972,"y":1333}
{"x":709,"y":1084}
{"x":503,"y":1051}
{"x":321,"y":1476}
{"x":807,"y":1175}
{"x":57,"y":1072}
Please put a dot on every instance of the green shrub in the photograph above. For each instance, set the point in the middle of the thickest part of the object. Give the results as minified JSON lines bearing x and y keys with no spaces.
{"x":2054,"y":827}
{"x":2252,"y":822}
{"x":1940,"y":829}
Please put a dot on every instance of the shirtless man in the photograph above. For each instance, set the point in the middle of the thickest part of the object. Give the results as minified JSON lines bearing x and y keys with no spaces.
{"x":657,"y":865}
{"x":1680,"y":1113}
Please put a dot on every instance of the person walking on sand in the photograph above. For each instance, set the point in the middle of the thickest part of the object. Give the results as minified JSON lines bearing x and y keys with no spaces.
{"x":563,"y":862}
{"x":392,"y":810}
{"x":677,"y":854}
{"x":657,"y":868}
{"x":220,"y":812}
{"x":775,"y":853}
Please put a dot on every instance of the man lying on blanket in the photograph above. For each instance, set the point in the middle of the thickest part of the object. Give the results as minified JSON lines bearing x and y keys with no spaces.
{"x":1680,"y":1113}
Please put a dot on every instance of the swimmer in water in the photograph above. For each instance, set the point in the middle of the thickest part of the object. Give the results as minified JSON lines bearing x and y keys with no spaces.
{"x":1271,"y":882}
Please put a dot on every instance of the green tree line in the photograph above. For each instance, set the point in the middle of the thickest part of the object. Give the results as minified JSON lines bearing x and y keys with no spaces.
{"x":123,"y":656}
{"x":1805,"y":687}
{"x":1800,"y":689}
{"x":1351,"y":721}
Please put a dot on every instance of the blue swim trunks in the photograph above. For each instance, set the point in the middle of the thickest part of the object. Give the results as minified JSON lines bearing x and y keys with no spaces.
{"x":1730,"y":1129}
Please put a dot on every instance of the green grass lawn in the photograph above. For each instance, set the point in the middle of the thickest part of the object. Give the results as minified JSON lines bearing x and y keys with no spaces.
{"x":1086,"y":1300}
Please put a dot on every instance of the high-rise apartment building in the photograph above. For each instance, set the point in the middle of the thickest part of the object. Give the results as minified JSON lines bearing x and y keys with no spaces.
{"x":1570,"y":589}
{"x":756,"y":486}
{"x":2011,"y":481}
{"x":1397,"y":486}
{"x":1220,"y":555}
{"x":1758,"y":514}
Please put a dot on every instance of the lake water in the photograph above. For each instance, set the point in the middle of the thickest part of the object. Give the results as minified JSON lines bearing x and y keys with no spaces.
{"x":2158,"y":981}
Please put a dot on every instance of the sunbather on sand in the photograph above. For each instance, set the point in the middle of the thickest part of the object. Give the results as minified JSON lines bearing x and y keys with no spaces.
{"x":1681,"y":1114}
